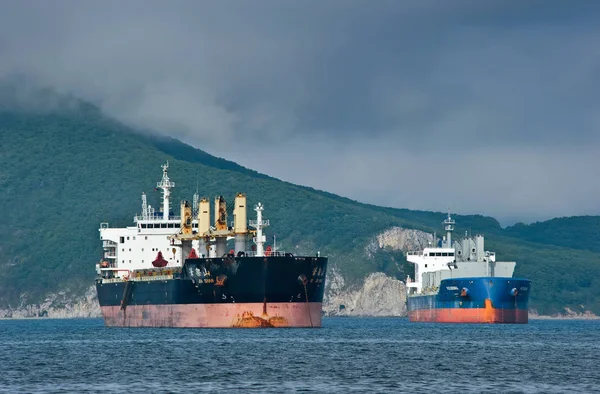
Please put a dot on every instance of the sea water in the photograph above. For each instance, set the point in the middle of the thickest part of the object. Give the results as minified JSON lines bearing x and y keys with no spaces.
{"x":345,"y":355}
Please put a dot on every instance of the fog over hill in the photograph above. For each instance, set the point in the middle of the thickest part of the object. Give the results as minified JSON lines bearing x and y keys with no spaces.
{"x":484,"y":107}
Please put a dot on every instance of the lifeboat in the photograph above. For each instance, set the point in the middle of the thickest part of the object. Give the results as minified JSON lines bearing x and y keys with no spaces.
{"x":160,"y":261}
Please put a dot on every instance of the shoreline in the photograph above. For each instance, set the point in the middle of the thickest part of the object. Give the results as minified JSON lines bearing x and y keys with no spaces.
{"x":542,"y":317}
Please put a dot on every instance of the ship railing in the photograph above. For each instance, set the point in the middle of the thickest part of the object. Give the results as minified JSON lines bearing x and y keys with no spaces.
{"x":419,"y":253}
{"x":137,"y":279}
{"x":254,"y":223}
{"x":150,"y":278}
{"x":278,"y":253}
{"x":111,"y":280}
{"x":155,"y":218}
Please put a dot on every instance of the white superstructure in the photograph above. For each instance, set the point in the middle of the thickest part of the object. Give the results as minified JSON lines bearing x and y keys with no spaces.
{"x":136,"y":247}
{"x":453,"y":259}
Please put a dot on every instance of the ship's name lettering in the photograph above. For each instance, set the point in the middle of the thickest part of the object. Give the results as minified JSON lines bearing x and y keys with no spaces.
{"x":524,"y":289}
{"x":451,"y":288}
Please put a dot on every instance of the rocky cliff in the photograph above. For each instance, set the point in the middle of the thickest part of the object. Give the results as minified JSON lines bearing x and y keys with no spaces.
{"x":379,"y":295}
{"x":61,"y":305}
{"x":398,"y":239}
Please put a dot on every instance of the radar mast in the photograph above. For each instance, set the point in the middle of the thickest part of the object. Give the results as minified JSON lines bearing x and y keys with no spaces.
{"x":165,"y":184}
{"x":449,"y":227}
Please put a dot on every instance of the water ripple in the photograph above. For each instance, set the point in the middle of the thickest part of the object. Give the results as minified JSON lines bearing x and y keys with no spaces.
{"x":346,"y":355}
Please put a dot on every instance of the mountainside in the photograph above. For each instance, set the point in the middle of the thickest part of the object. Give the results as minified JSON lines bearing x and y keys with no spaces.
{"x":579,"y":232}
{"x":66,"y":168}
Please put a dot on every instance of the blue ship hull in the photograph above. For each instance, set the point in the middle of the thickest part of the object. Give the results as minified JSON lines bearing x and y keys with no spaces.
{"x":473,"y":300}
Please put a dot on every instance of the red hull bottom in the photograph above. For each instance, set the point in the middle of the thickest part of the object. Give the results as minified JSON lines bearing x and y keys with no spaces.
{"x":248,"y":315}
{"x":470,"y":315}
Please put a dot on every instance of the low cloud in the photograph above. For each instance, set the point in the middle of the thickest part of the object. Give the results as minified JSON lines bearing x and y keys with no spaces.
{"x":486,"y":107}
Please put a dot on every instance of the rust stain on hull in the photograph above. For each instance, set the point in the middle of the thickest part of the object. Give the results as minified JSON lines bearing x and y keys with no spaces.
{"x":470,"y":315}
{"x":246,"y":315}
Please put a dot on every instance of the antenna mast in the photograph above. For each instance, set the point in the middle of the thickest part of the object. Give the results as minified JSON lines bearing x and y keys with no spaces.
{"x":258,"y":224}
{"x":165,"y":184}
{"x":449,"y":227}
{"x":144,"y":207}
{"x":195,"y":202}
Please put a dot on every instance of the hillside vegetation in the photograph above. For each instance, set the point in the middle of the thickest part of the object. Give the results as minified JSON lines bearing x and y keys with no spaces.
{"x":65,"y":169}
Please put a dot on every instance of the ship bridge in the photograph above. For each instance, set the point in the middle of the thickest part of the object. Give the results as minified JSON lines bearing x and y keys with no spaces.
{"x":466,"y":257}
{"x":429,"y":260}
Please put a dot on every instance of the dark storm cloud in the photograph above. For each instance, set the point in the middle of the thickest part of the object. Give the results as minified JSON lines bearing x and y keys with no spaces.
{"x":381,"y":93}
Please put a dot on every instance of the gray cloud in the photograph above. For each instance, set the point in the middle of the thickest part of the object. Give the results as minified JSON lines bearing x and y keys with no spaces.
{"x":486,"y":107}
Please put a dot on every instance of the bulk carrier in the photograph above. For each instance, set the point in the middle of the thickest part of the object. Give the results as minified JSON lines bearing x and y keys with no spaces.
{"x":169,"y":271}
{"x":460,"y":282}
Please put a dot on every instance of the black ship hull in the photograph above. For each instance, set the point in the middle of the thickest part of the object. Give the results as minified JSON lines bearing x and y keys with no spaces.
{"x":271,"y":291}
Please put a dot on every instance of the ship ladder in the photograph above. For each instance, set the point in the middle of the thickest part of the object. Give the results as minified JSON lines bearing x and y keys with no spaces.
{"x":126,"y":294}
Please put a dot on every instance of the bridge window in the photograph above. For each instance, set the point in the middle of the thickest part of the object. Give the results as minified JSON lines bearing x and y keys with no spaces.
{"x":431,"y":254}
{"x":438,"y":254}
{"x":451,"y":254}
{"x":144,"y":225}
{"x":122,"y":240}
{"x":444,"y":254}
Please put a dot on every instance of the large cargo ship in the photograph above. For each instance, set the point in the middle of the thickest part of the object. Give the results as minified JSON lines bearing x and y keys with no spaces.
{"x":460,"y":282}
{"x":169,"y":271}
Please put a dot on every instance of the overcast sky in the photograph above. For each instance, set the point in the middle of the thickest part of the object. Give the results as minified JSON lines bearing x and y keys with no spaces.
{"x":485,"y":107}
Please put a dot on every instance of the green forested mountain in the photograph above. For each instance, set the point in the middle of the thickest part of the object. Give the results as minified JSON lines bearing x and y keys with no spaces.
{"x":64,"y":169}
{"x":580,"y":232}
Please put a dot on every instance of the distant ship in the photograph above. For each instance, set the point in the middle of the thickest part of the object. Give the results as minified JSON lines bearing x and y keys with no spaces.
{"x":460,"y":282}
{"x":168,"y":271}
